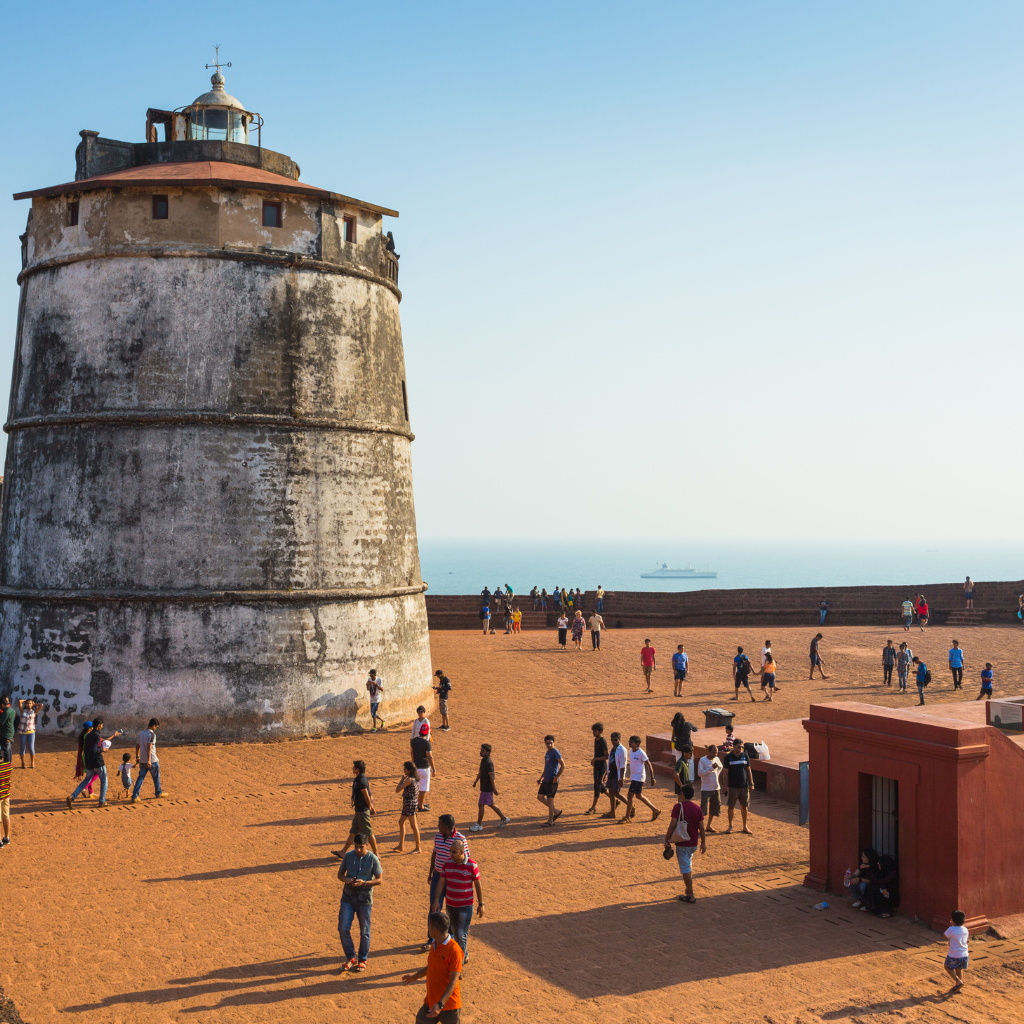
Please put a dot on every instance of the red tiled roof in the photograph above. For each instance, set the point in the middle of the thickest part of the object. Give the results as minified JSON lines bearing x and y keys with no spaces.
{"x":200,"y":173}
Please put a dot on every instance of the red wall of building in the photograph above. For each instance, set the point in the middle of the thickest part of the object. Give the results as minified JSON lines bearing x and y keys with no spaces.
{"x":961,"y":808}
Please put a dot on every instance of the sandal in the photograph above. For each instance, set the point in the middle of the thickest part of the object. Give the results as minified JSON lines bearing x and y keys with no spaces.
{"x":688,"y":899}
{"x":349,"y":964}
{"x":589,"y":810}
{"x":361,"y":966}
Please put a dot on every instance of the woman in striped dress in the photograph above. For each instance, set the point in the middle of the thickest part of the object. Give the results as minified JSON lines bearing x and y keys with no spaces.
{"x":410,"y":790}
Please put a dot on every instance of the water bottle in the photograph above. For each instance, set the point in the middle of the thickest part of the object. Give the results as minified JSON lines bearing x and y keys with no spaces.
{"x":821,"y":906}
{"x":846,"y":880}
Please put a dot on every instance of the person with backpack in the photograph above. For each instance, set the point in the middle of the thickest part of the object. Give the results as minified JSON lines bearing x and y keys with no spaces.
{"x":741,"y":669}
{"x":485,"y":618}
{"x":682,"y":744}
{"x":924,"y":677}
{"x":684,"y":828}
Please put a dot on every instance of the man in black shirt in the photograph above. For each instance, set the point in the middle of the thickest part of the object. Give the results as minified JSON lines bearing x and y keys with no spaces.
{"x":682,"y":743}
{"x":740,"y":781}
{"x":488,"y":791}
{"x":443,"y":688}
{"x":362,"y":802}
{"x":816,"y":657}
{"x":424,"y":761}
{"x":600,"y":763}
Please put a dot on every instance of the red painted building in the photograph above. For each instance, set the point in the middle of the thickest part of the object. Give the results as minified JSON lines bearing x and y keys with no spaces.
{"x":936,"y":788}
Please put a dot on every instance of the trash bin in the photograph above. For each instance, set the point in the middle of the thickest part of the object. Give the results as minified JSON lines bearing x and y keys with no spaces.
{"x":714,"y":717}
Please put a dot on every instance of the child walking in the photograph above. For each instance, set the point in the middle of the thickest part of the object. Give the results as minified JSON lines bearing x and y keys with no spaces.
{"x":956,"y":959}
{"x":125,"y":775}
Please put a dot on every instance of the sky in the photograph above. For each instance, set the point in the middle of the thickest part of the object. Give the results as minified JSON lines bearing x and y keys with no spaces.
{"x":735,"y":271}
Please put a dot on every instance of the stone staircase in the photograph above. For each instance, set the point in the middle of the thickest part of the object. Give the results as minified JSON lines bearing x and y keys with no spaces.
{"x":973,"y":617}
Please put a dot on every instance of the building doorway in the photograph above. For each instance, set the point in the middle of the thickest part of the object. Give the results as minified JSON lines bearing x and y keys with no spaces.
{"x":885,"y":816}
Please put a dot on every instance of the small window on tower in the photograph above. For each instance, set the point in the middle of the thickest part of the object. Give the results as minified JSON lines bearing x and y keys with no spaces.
{"x":350,"y":228}
{"x":72,"y":214}
{"x":271,"y":214}
{"x":159,"y":207}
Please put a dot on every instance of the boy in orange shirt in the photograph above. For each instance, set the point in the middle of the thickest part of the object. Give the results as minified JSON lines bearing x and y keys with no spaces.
{"x":444,"y":968}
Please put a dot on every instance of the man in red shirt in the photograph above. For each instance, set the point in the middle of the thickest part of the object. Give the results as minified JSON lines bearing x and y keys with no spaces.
{"x":647,"y":662}
{"x":686,"y":837}
{"x":459,"y":876}
{"x":443,"y":1000}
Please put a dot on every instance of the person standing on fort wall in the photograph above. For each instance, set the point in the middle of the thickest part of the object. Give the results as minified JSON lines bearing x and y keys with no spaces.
{"x":969,"y":593}
{"x":823,"y":608}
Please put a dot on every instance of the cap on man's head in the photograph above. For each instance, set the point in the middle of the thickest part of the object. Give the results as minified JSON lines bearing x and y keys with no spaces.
{"x":424,"y":729}
{"x":439,"y":673}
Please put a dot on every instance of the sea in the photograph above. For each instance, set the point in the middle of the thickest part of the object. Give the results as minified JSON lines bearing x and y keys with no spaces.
{"x":466,"y":567}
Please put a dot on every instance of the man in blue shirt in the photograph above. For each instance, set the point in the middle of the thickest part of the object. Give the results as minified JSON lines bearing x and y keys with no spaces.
{"x":548,"y":782}
{"x":360,"y":871}
{"x":956,"y":665}
{"x":924,"y":677}
{"x":986,"y":681}
{"x":679,"y":665}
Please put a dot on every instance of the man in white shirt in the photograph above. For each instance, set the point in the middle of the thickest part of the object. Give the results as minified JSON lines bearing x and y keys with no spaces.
{"x":419,"y":721}
{"x":639,"y":766}
{"x":146,"y":759}
{"x":708,"y":768}
{"x":375,"y":687}
{"x":596,"y":624}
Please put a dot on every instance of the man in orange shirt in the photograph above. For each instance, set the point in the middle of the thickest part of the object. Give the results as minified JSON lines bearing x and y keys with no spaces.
{"x":444,"y":968}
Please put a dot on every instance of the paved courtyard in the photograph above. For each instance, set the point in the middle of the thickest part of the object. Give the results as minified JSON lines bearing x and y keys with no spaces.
{"x":220,"y":901}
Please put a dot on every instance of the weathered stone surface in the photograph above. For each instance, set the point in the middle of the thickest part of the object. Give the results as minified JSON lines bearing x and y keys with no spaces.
{"x":208,"y":511}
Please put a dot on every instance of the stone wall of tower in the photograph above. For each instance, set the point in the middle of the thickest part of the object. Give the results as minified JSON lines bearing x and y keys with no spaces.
{"x":208,"y":512}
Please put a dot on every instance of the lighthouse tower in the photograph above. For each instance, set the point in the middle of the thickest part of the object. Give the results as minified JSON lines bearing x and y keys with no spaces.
{"x":207,"y":504}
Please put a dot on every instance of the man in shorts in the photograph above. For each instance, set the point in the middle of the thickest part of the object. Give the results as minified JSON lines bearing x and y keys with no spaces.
{"x":740,"y":780}
{"x":362,"y":802}
{"x":680,"y":663}
{"x":816,"y":662}
{"x":423,"y":758}
{"x":647,"y":662}
{"x":693,"y":823}
{"x":548,"y":782}
{"x":615,"y":773}
{"x":443,"y":688}
{"x":741,"y":669}
{"x":708,"y":768}
{"x":375,"y":687}
{"x":639,"y":766}
{"x":488,"y":791}
{"x":986,"y":681}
